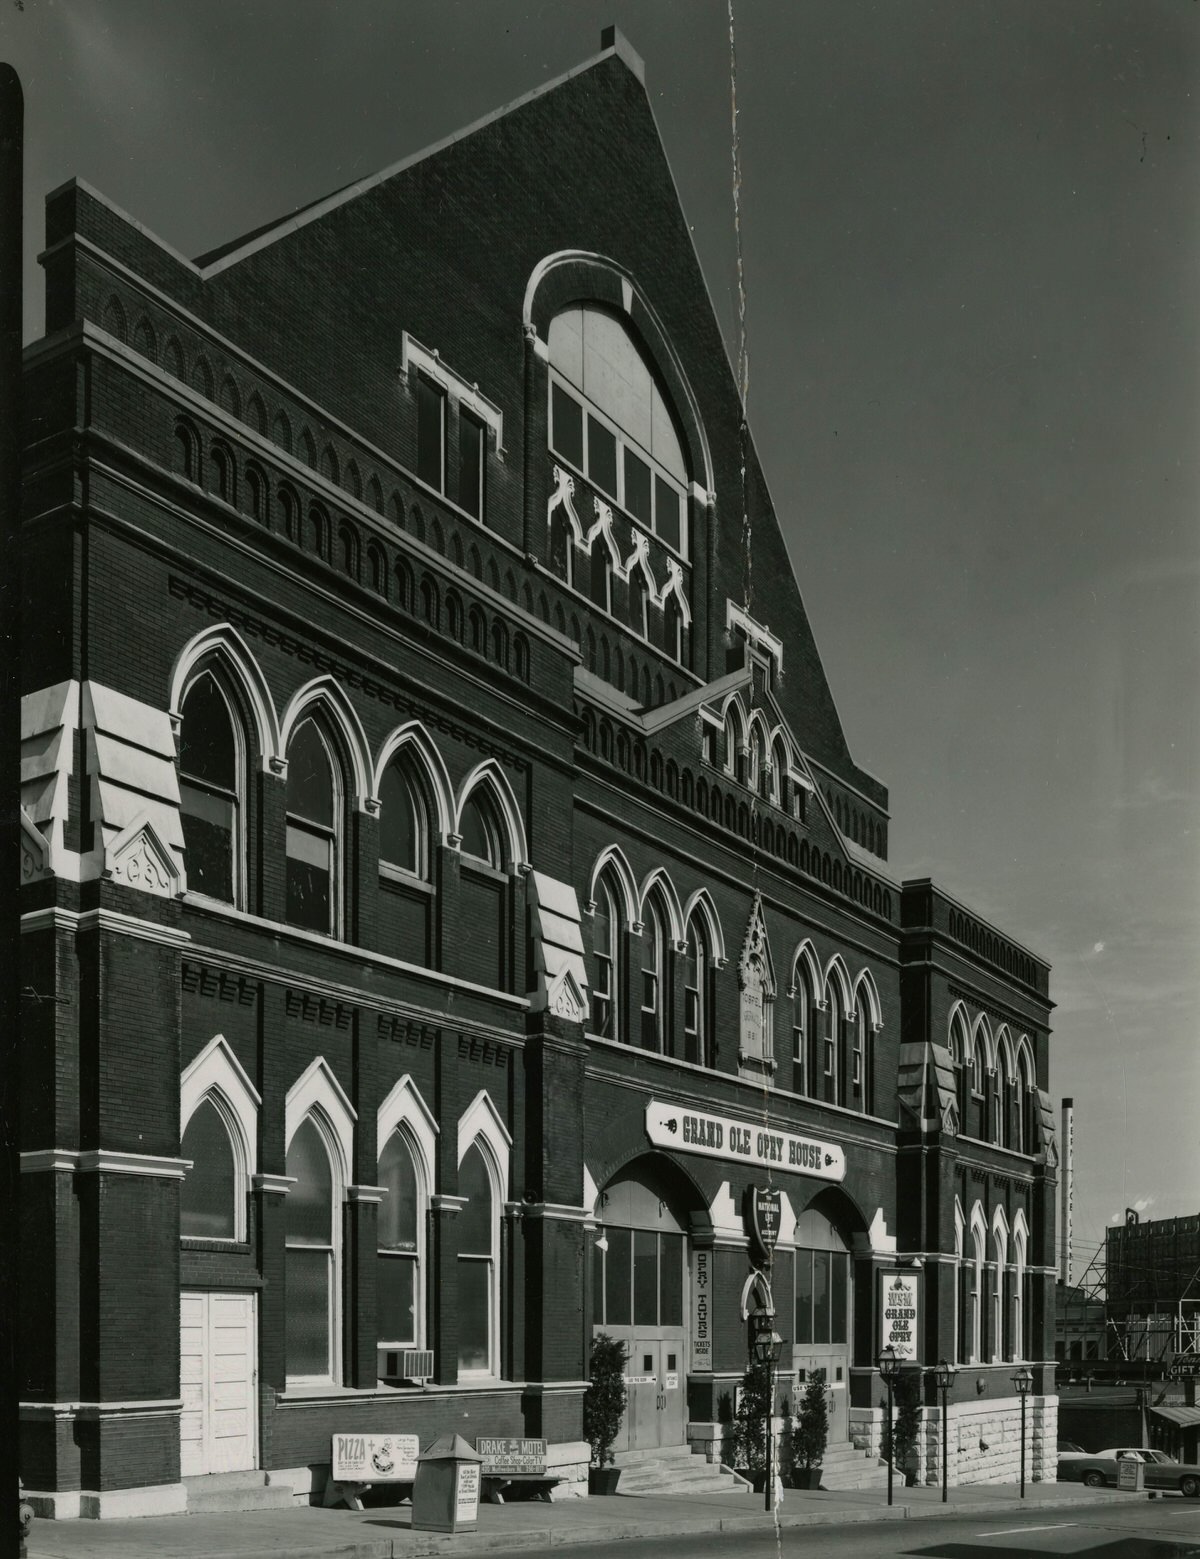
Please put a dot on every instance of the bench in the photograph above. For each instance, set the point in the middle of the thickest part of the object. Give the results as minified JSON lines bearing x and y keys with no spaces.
{"x":511,"y":1464}
{"x":358,"y":1462}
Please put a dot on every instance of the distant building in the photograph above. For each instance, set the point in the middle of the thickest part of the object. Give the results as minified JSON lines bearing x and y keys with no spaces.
{"x":1153,"y":1289}
{"x":447,"y":886}
{"x":1080,"y":1328}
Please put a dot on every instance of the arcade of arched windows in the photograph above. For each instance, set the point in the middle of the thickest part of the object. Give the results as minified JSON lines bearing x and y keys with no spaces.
{"x":856,"y":821}
{"x":995,"y":1082}
{"x":727,"y":807}
{"x":992,"y":1290}
{"x":659,"y":979}
{"x":228,"y":731}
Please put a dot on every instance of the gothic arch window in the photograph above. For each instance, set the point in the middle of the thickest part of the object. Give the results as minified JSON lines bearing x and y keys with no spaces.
{"x":314,"y":832}
{"x":833,"y":1081}
{"x":653,"y":963}
{"x":400,"y":1316}
{"x":610,"y":421}
{"x":606,"y":946}
{"x":959,"y":1055}
{"x":212,"y":791}
{"x":213,"y":1191}
{"x":483,"y":1163}
{"x":313,"y":1254}
{"x":218,"y":1112}
{"x":862,"y":1060}
{"x":806,"y":1041}
{"x":404,"y":821}
{"x":480,"y":829}
{"x":1020,"y":1280}
{"x":961,"y":1340}
{"x":999,"y":1319}
{"x":698,"y":996}
{"x":976,"y":1279}
{"x":1028,"y":1102}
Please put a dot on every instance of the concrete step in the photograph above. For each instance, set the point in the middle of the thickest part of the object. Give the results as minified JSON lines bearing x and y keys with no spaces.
{"x":673,"y":1470}
{"x":230,"y":1491}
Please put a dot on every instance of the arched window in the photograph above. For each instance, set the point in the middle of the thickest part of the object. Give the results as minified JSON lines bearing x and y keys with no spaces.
{"x":653,"y":950}
{"x":673,"y":629}
{"x":601,"y":581}
{"x":962,"y":1341}
{"x":1001,"y":1343}
{"x":732,"y":753}
{"x":697,"y":1017}
{"x":208,"y":1203}
{"x":1020,"y":1277}
{"x":610,"y":421}
{"x":805,"y":1041}
{"x":314,"y":809}
{"x":404,"y":827}
{"x":780,"y":783}
{"x":481,"y":837}
{"x":639,"y":604}
{"x":313,"y":1214}
{"x":759,"y":778}
{"x":979,"y":1246}
{"x":606,"y":942}
{"x":834,"y":1079}
{"x":1028,"y":1101}
{"x":962,"y":1069}
{"x":979,"y":1070}
{"x":212,"y":769}
{"x":862,"y":1065}
{"x":400,"y":1290}
{"x":478,"y":1264}
{"x":995,"y":1100}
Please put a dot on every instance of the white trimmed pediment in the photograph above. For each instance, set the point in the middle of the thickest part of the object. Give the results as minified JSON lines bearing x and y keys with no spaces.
{"x":317,"y":1091}
{"x":405,"y":1108}
{"x":138,"y":858}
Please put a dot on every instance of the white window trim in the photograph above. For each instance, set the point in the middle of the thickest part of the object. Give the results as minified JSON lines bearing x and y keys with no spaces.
{"x":405,"y":1111}
{"x":623,"y":440}
{"x":317,"y":1095}
{"x":429,"y":362}
{"x":481,"y":1125}
{"x":218,"y":1076}
{"x":241,"y":760}
{"x":424,"y":1185}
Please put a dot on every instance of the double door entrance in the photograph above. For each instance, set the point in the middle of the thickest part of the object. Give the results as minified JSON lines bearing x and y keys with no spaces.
{"x":218,"y":1377}
{"x":656,"y":1389}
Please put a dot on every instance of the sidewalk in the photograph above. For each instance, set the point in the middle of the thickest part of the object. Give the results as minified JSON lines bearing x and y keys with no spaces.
{"x":386,"y":1533}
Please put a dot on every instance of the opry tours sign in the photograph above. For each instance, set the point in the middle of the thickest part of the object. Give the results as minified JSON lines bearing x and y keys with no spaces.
{"x":725,"y":1136}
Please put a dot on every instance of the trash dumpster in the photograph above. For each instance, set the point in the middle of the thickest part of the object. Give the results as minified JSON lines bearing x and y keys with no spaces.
{"x":446,"y":1491}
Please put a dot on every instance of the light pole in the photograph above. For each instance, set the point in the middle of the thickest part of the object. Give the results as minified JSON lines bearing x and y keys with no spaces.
{"x":768,"y":1346}
{"x":889,"y":1368}
{"x":1023,"y":1381}
{"x":944,"y":1375}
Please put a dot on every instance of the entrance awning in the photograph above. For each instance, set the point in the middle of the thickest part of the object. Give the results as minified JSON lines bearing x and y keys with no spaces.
{"x":1184,"y":1416}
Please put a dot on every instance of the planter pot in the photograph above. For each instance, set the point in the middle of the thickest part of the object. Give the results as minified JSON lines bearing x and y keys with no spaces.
{"x":807,"y":1477}
{"x":603,"y":1480}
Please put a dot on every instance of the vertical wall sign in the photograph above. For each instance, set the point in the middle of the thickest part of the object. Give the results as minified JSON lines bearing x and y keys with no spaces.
{"x":900,"y":1312}
{"x":761,"y":1210}
{"x":702,"y":1321}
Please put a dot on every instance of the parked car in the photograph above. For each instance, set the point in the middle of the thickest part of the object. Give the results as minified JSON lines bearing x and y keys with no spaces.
{"x":1160,"y":1471}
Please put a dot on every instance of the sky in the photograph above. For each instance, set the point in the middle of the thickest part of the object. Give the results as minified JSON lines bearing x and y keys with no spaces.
{"x":971,"y":235}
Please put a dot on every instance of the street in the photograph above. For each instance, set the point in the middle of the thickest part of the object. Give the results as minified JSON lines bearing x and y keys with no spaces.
{"x":1164,"y":1529}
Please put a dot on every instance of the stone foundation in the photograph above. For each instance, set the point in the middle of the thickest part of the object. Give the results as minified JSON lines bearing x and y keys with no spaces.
{"x":983,"y":1442}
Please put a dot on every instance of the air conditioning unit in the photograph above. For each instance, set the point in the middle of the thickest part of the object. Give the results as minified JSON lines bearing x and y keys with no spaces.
{"x":414,"y":1365}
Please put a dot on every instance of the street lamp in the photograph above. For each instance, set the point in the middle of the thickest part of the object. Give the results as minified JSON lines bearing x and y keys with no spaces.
{"x":889,"y":1368}
{"x":1023,"y":1381}
{"x":768,"y":1346}
{"x":944,"y":1375}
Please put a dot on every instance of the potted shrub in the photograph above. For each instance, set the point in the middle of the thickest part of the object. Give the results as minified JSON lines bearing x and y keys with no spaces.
{"x":900,"y":1448}
{"x":810,"y":1434}
{"x":748,"y":1435}
{"x":603,"y":1408}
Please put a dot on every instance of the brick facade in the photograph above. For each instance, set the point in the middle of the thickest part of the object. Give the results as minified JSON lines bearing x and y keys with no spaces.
{"x":224,"y":480}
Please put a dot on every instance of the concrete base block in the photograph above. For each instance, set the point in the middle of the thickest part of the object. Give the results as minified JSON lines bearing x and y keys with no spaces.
{"x":157,"y":1499}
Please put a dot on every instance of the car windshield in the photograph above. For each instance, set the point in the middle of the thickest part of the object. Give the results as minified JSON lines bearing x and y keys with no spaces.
{"x":1160,"y":1456}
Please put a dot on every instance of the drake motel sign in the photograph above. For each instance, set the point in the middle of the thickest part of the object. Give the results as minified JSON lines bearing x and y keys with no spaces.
{"x":724,"y":1136}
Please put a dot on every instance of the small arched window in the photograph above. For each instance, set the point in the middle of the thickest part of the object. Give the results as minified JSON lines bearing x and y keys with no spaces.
{"x":653,"y":955}
{"x":404,"y":829}
{"x":834,"y":1069}
{"x":400,"y":1301}
{"x":697,"y":1017}
{"x":861,"y":1082}
{"x":480,"y":829}
{"x":606,"y":928}
{"x":313,"y":1257}
{"x":314,"y":809}
{"x":478,"y":1263}
{"x":208,"y":1203}
{"x":806,"y":1042}
{"x":212,"y":768}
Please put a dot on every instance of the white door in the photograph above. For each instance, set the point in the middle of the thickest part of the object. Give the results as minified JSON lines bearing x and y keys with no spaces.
{"x":218,"y":1377}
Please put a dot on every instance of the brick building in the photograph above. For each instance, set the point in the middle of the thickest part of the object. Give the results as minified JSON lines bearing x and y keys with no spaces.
{"x":446,"y":884}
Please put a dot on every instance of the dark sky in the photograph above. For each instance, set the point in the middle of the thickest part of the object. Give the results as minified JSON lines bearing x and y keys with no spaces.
{"x":972,"y":243}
